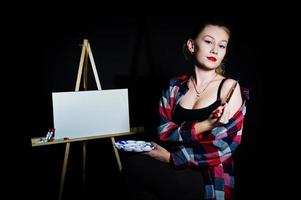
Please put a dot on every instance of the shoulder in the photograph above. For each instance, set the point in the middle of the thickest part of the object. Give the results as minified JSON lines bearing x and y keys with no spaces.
{"x":236,"y":99}
{"x":226,"y":87}
{"x":228,"y":83}
{"x":240,"y":91}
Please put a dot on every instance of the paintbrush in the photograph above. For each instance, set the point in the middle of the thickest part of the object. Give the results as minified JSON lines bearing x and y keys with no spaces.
{"x":230,"y":93}
{"x":227,"y":99}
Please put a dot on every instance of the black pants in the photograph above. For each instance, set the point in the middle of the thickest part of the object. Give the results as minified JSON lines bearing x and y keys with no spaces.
{"x":146,"y":178}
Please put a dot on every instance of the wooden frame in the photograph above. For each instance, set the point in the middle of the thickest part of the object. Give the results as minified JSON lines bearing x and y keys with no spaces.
{"x":40,"y":141}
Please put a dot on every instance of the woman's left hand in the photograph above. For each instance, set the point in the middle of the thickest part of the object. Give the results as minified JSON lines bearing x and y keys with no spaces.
{"x":159,"y":153}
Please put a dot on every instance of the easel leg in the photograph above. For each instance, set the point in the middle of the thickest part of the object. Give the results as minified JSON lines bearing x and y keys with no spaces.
{"x":64,"y":170}
{"x":116,"y":154}
{"x":84,"y":167}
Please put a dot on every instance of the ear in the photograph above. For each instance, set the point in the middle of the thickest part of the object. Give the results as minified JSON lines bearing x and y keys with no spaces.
{"x":190,"y":45}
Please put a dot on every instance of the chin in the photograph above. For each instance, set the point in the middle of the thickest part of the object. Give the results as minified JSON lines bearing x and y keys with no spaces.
{"x":208,"y":65}
{"x":211,"y":67}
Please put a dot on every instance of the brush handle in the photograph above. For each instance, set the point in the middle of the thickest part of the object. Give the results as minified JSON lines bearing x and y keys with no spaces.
{"x":230,"y":93}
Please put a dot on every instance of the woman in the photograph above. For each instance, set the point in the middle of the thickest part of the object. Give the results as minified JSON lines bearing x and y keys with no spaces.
{"x":200,"y":128}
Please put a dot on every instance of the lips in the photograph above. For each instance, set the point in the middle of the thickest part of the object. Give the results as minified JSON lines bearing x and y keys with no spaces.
{"x":213,"y":59}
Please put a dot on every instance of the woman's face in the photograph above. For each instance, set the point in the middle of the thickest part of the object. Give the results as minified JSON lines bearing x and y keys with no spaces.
{"x":210,"y":46}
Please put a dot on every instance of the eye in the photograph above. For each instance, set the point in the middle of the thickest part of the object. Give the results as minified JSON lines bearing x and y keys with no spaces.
{"x":208,"y":41}
{"x":222,"y":46}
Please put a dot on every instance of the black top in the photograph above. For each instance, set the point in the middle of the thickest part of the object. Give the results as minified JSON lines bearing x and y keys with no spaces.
{"x":182,"y":114}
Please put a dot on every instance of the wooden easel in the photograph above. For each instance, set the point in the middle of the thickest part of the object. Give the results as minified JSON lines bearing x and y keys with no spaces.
{"x":83,"y":68}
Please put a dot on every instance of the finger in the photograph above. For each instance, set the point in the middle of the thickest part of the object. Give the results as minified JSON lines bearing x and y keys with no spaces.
{"x":151,"y":153}
{"x":155,"y":145}
{"x":217,"y":112}
{"x":224,"y":108}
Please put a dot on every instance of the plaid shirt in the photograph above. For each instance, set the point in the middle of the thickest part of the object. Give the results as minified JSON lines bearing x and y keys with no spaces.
{"x":210,"y":151}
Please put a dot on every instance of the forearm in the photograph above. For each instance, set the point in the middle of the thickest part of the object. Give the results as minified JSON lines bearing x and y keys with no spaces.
{"x":203,"y":126}
{"x":186,"y":132}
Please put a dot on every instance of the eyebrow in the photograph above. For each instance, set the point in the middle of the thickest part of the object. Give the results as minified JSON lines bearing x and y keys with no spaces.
{"x":214,"y":38}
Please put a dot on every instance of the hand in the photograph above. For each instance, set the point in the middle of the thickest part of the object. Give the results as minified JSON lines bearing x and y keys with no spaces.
{"x":159,"y":153}
{"x":220,"y":115}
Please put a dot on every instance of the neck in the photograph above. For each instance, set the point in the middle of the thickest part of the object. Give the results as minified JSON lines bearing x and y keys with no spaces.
{"x":204,"y":76}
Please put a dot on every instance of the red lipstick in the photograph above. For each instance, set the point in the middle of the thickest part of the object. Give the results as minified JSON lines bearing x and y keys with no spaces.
{"x":211,"y":58}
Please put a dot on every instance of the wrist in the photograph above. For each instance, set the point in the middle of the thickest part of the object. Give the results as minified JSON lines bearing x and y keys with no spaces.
{"x":204,"y":126}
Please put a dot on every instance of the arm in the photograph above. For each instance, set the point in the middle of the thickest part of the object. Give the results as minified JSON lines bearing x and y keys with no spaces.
{"x":235,"y":101}
{"x":223,"y":113}
{"x":193,"y":131}
{"x":208,"y":152}
{"x":170,"y":131}
{"x":215,"y":147}
{"x":218,"y":144}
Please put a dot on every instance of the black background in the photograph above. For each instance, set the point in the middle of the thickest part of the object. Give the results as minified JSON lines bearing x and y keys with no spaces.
{"x":137,"y":49}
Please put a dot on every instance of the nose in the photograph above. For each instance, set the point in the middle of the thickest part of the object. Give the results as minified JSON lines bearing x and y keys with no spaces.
{"x":214,"y":50}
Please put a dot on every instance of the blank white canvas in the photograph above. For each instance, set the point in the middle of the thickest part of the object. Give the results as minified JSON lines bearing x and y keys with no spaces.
{"x":90,"y":113}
